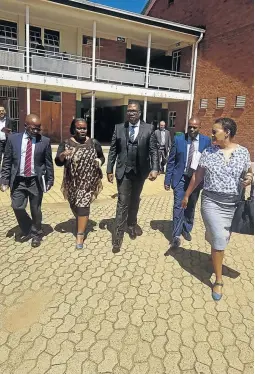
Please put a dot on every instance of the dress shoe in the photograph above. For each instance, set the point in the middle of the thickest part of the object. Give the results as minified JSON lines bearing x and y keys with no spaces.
{"x":176,"y":242}
{"x":36,"y":241}
{"x":117,"y":242}
{"x":22,"y":238}
{"x":135,"y":231}
{"x":187,"y":236}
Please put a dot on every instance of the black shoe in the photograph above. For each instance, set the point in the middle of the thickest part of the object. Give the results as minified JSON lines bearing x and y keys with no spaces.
{"x":22,"y":238}
{"x":135,"y":231}
{"x":117,"y":242}
{"x":175,"y":243}
{"x":187,"y":236}
{"x":36,"y":241}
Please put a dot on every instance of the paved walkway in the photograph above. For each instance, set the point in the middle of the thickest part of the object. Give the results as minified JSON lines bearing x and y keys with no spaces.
{"x":137,"y":312}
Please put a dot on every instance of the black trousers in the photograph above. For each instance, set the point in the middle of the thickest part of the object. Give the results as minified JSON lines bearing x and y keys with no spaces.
{"x":25,"y":189}
{"x":2,"y":148}
{"x":162,"y":158}
{"x":129,"y":191}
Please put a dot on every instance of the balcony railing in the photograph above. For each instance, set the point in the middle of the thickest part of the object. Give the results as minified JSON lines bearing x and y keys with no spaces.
{"x":76,"y":67}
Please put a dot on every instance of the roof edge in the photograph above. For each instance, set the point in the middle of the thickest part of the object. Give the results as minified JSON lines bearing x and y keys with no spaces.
{"x":136,"y":17}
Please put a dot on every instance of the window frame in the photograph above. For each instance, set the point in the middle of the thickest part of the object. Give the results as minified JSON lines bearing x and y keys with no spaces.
{"x":171,"y":119}
{"x":11,"y":24}
{"x":176,"y":60}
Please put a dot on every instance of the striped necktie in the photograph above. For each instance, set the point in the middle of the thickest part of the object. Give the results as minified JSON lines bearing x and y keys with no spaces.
{"x":190,"y":157}
{"x":132,"y":134}
{"x":28,"y":159}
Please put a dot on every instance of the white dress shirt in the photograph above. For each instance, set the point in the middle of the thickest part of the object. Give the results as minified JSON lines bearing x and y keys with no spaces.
{"x":163,"y":137}
{"x":196,"y":146}
{"x":136,"y":126}
{"x":23,"y":154}
{"x":2,"y":125}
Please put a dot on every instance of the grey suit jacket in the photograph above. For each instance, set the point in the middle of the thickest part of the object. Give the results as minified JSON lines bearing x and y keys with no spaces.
{"x":42,"y":160}
{"x":167,"y":137}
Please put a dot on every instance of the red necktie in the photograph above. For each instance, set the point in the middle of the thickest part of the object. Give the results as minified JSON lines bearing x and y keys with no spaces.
{"x":28,"y":159}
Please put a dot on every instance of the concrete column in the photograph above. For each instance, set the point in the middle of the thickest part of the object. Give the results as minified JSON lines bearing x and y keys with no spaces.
{"x":28,"y":99}
{"x":27,"y":39}
{"x":145,"y":105}
{"x":79,"y":42}
{"x":94,"y":51}
{"x":148,"y":61}
{"x":93,"y":100}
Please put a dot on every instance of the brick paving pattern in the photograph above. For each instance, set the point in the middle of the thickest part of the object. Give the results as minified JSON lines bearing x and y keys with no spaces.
{"x":138,"y":312}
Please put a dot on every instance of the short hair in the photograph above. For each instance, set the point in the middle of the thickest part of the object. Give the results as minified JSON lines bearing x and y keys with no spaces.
{"x":228,"y":124}
{"x":72,"y":126}
{"x":135,"y":102}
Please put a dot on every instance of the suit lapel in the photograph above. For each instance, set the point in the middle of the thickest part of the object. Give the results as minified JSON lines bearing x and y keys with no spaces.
{"x":126,"y":133}
{"x":141,"y":130}
{"x":201,"y":143}
{"x":185,"y":148}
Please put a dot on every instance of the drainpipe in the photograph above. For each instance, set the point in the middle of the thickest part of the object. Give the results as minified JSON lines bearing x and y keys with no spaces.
{"x":193,"y":78}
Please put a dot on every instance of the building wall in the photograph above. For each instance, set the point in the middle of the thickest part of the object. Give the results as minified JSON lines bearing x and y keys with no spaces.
{"x":225,"y":58}
{"x":112,"y":50}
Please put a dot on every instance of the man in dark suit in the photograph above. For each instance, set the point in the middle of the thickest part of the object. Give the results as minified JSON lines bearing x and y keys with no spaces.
{"x":7,"y":126}
{"x":183,"y":161}
{"x":134,"y":146}
{"x":28,"y":171}
{"x":164,"y":144}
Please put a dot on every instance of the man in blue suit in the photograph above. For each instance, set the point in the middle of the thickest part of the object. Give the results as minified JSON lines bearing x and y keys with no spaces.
{"x":183,"y":161}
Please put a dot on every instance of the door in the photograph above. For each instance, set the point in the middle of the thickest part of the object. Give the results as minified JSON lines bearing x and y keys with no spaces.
{"x":51,"y":120}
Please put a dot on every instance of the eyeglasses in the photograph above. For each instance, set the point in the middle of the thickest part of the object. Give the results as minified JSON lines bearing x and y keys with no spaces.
{"x":132,"y":111}
{"x":193,"y":127}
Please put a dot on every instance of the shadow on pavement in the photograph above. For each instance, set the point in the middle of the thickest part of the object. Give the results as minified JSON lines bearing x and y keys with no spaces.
{"x":199,"y":264}
{"x":70,"y":227}
{"x":46,"y":228}
{"x":107,"y":224}
{"x":164,"y":226}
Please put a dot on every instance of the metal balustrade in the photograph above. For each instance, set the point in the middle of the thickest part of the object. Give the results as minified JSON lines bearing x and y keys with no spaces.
{"x":169,"y":81}
{"x":11,"y":57}
{"x":61,"y":65}
{"x":78,"y":67}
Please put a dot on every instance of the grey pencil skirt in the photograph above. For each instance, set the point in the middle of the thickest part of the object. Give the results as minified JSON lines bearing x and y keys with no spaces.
{"x":217,"y":219}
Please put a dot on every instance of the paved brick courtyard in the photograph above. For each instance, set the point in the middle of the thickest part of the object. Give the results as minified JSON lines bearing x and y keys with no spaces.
{"x":138,"y":312}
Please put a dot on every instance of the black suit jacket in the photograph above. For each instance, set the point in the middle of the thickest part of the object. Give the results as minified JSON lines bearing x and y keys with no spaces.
{"x":42,"y":160}
{"x":10,"y":123}
{"x":147,"y":150}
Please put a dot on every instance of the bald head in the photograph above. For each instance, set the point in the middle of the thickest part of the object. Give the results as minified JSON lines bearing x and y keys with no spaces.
{"x":162,"y":125}
{"x":194,"y":127}
{"x":33,"y":125}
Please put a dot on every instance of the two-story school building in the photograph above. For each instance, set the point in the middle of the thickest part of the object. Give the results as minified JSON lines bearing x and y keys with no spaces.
{"x":65,"y":58}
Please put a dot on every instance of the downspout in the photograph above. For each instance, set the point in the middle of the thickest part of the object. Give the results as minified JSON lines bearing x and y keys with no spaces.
{"x":193,"y":79}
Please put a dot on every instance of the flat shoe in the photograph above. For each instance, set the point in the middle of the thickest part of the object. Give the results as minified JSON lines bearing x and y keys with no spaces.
{"x":217,"y":296}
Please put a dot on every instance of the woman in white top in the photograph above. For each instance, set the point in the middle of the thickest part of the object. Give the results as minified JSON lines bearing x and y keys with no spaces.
{"x":225,"y":168}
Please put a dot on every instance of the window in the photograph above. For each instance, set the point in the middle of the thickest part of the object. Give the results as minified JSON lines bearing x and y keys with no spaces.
{"x":88,"y":40}
{"x":176,"y":60}
{"x":220,"y":102}
{"x":240,"y":101}
{"x":8,"y":32}
{"x":203,"y":104}
{"x":51,"y":40}
{"x":35,"y":36}
{"x":172,"y":118}
{"x":51,"y":96}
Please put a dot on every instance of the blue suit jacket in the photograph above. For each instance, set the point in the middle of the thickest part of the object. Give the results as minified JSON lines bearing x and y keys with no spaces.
{"x":178,"y":157}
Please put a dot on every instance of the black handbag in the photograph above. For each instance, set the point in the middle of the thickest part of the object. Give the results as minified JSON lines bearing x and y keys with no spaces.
{"x":243,"y":220}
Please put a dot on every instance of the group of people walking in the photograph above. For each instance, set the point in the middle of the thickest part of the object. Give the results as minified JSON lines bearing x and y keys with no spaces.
{"x":218,"y":166}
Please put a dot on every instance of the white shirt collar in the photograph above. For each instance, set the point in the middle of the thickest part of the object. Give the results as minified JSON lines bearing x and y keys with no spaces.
{"x":136,"y":125}
{"x":196,"y":138}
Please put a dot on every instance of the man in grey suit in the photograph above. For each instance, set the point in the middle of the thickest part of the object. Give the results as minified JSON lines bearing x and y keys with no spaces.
{"x":28,"y":171}
{"x":164,"y":144}
{"x":134,"y":146}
